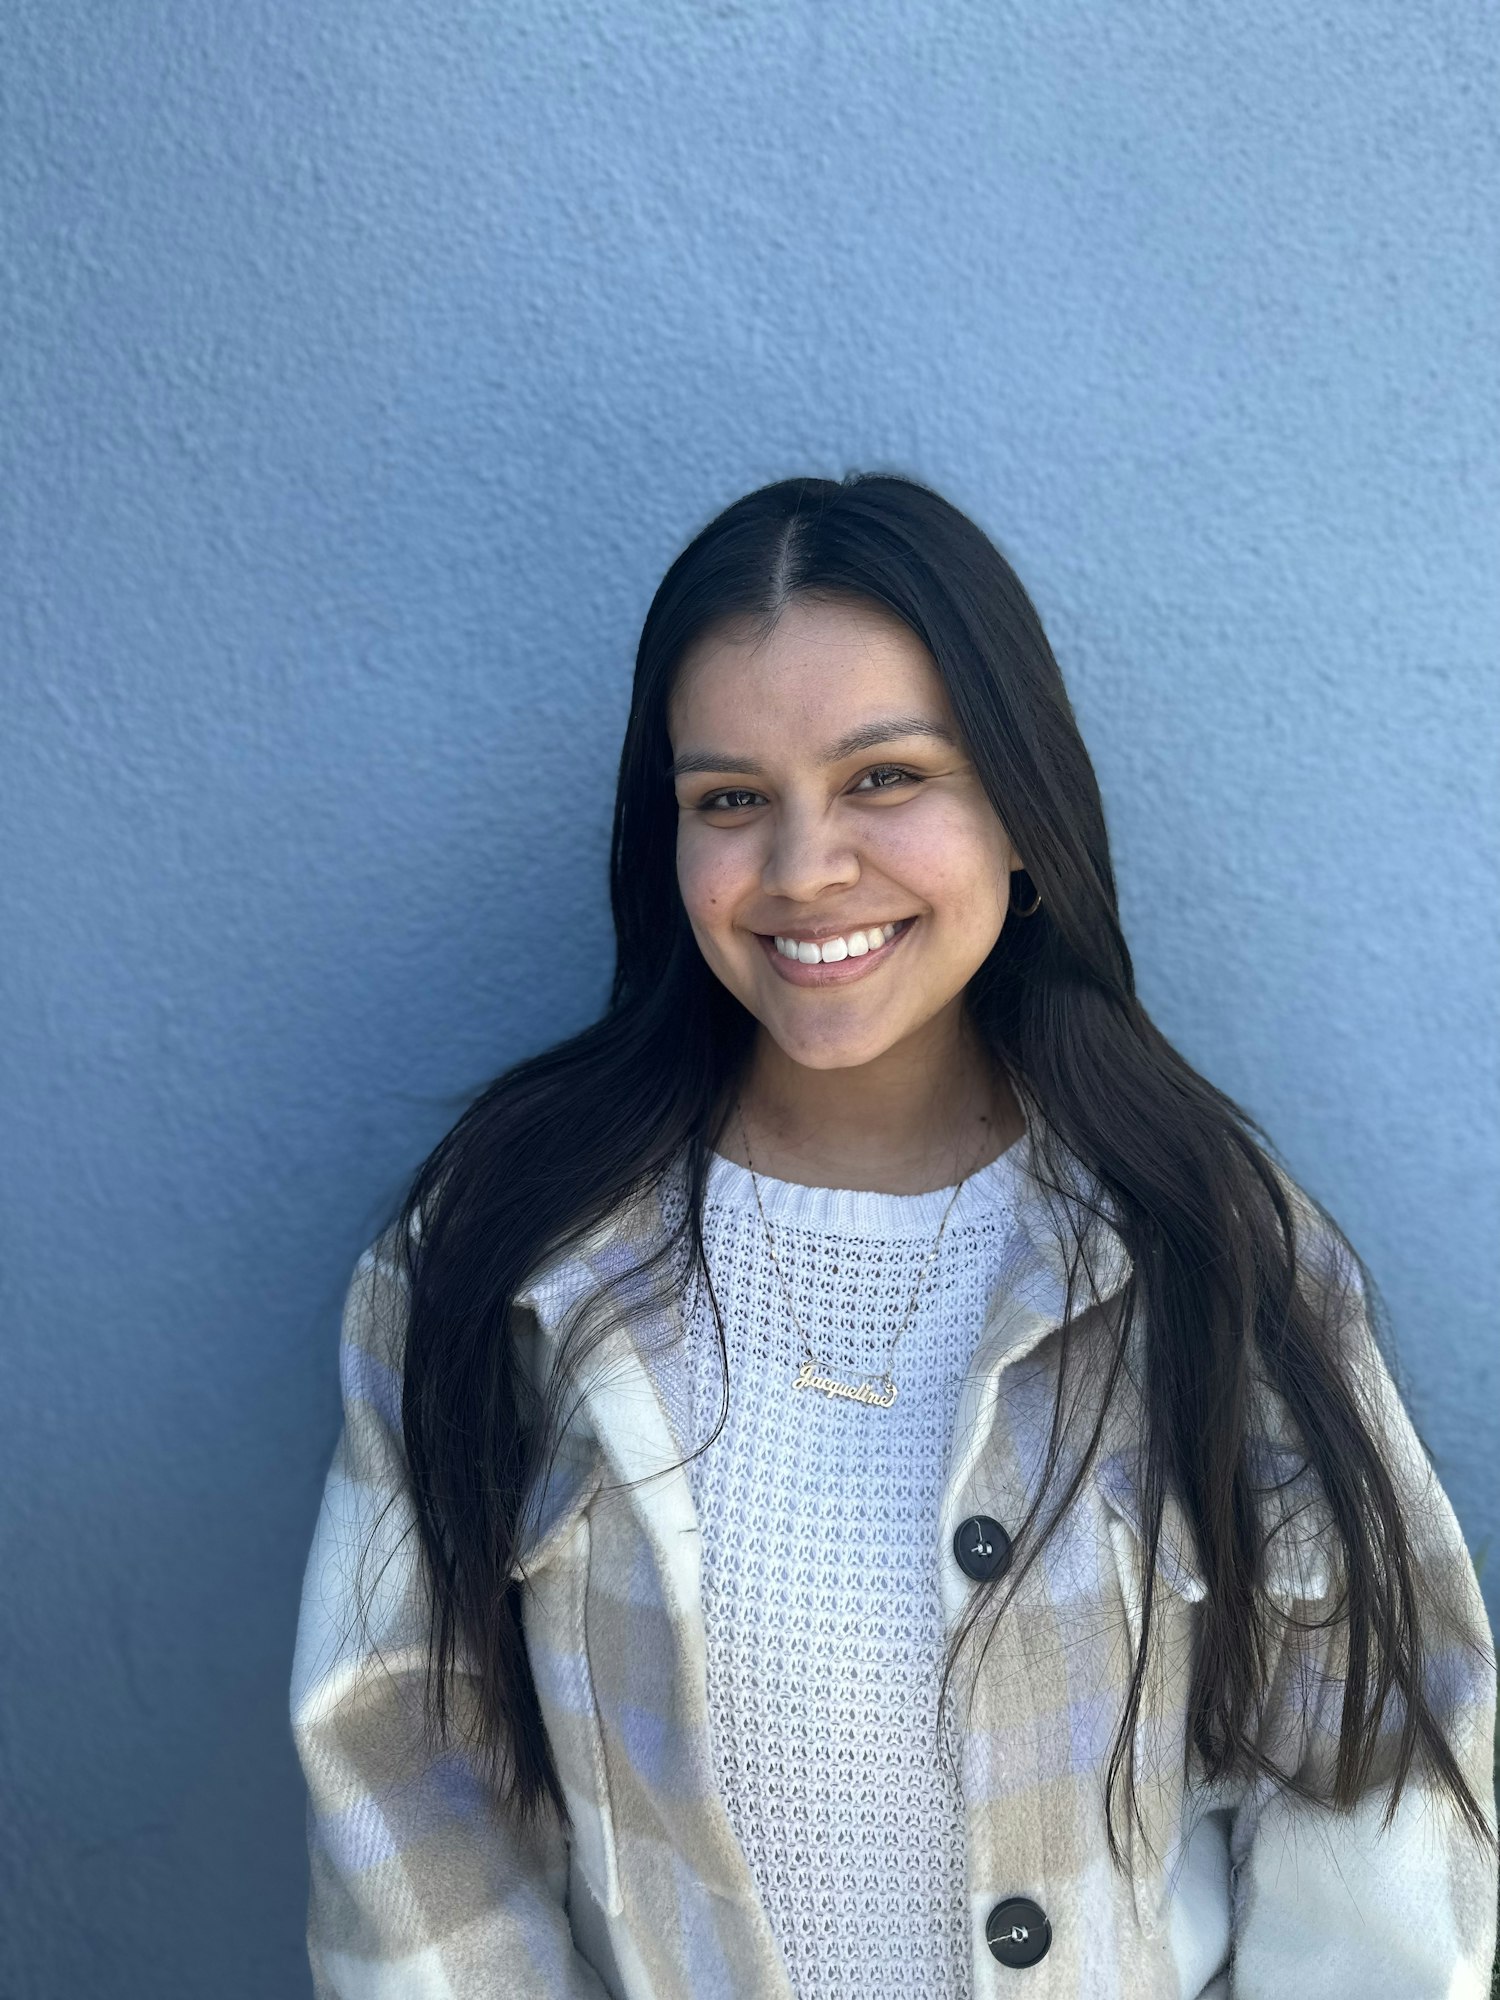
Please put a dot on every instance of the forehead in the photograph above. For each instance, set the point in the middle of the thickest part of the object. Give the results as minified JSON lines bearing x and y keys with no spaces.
{"x":823,"y":659}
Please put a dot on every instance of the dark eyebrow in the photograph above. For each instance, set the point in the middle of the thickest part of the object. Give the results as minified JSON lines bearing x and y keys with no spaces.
{"x":866,"y":737}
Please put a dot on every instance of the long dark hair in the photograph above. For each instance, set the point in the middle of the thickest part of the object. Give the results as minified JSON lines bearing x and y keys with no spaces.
{"x":1218,"y":1268}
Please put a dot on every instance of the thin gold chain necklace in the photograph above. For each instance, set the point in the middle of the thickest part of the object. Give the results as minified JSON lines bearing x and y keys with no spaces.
{"x":874,"y":1392}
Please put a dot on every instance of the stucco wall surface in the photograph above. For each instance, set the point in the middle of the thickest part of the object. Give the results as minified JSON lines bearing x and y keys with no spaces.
{"x":363,"y":367}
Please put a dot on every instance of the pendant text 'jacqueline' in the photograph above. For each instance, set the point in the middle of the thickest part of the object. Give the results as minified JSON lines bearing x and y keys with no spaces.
{"x":807,"y":1377}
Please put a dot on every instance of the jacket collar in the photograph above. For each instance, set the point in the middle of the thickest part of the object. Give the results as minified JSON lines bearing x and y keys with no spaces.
{"x":625,"y":1433}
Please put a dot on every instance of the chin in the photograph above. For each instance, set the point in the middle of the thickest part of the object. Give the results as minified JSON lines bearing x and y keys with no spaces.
{"x":831,"y":1055}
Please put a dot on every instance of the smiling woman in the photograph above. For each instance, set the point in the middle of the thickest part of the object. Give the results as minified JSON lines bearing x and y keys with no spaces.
{"x":870,"y":1278}
{"x":835,"y":874}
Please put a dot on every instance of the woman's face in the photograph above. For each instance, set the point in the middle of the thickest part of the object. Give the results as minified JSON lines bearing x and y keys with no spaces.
{"x":823,"y":791}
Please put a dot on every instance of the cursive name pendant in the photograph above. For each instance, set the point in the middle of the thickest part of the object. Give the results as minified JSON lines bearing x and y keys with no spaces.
{"x":876,"y":1394}
{"x":807,"y":1377}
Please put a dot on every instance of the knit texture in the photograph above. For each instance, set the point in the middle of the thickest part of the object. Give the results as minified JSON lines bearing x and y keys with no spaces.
{"x":820,"y":1523}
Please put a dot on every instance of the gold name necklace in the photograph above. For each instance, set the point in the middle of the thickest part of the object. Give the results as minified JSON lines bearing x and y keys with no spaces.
{"x":874,"y":1392}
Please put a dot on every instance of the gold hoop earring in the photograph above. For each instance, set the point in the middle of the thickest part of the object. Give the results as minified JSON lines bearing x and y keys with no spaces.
{"x":1036,"y":905}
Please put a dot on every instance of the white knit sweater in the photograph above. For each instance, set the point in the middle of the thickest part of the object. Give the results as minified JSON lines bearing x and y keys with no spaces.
{"x":819,"y":1526}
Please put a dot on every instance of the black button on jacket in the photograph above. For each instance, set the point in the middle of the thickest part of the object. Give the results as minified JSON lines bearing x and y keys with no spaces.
{"x":1017,"y":1931}
{"x":982,"y":1547}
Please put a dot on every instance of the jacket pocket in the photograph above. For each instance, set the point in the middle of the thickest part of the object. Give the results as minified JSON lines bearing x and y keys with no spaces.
{"x":555,"y":1621}
{"x":1160,"y":1735}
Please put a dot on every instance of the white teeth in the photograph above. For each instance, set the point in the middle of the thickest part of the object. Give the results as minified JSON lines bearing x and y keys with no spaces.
{"x":855,"y":945}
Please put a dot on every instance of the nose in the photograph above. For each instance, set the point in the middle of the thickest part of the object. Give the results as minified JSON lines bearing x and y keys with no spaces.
{"x":807,"y":857}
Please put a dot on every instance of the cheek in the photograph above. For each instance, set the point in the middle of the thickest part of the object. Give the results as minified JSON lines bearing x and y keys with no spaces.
{"x":705,"y":879}
{"x":953,"y":863}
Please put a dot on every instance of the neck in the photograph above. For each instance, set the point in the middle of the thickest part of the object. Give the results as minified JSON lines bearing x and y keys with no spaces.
{"x":913,"y":1120}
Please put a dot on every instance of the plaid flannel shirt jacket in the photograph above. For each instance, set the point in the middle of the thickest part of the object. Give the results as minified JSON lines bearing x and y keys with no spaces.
{"x":421,"y":1890}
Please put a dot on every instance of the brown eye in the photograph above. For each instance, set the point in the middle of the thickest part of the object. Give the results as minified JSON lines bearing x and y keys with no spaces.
{"x":892,"y":771}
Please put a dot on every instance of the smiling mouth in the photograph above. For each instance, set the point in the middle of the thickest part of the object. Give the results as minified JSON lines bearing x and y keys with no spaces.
{"x":855,"y":942}
{"x":835,"y":971}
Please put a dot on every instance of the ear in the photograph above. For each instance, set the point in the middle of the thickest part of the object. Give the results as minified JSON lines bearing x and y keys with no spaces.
{"x":1015,"y":859}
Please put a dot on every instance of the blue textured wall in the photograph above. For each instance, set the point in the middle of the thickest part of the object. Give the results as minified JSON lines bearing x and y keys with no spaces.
{"x":363,"y":368}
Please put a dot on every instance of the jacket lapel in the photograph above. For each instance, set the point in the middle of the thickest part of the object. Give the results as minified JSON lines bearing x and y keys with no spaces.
{"x":626,"y":1435}
{"x":669,"y":1789}
{"x":1026,"y":1306}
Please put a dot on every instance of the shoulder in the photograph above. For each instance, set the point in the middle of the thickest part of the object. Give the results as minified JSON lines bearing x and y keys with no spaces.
{"x":375,"y":1303}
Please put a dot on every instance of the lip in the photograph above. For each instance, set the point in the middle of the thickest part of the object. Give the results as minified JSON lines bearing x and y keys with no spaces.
{"x":843,"y":970}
